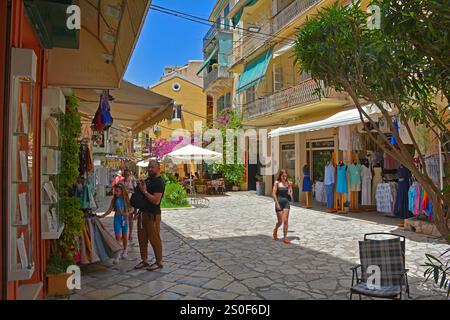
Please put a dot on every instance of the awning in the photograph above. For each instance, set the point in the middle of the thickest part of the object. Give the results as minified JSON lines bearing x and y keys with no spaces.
{"x":49,"y":20}
{"x":109,"y":32}
{"x":340,"y":119}
{"x":237,"y":17}
{"x":206,"y":62}
{"x":283,"y":49}
{"x":133,"y":107}
{"x":254,"y":72}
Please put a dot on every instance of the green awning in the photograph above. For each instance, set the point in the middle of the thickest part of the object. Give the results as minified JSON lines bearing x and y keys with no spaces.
{"x":254,"y":72}
{"x":237,"y":17}
{"x":206,"y":62}
{"x":49,"y":21}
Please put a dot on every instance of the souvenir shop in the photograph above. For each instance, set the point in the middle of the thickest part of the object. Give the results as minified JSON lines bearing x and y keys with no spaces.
{"x":95,"y":244}
{"x":339,"y":167}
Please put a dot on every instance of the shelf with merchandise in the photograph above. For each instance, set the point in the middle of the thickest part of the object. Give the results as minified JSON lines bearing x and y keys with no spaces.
{"x":21,"y":161}
{"x":51,"y":147}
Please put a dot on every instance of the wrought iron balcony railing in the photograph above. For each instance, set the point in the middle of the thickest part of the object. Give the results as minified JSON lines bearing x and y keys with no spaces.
{"x":301,"y":94}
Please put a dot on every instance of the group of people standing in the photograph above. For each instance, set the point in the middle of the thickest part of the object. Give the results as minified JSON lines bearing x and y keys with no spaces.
{"x":139,"y":201}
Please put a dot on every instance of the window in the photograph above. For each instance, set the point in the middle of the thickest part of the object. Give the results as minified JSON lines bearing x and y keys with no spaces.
{"x":220,"y":104}
{"x":176,"y":113}
{"x":250,"y":95}
{"x":277,"y":77}
{"x":227,"y":101}
{"x":176,"y":86}
{"x":288,"y":159}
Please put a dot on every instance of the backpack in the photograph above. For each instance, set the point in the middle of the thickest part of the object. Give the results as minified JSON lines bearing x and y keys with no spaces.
{"x":138,"y":199}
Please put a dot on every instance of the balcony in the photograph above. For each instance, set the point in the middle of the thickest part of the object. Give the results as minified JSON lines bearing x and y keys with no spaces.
{"x":301,"y":94}
{"x":251,"y":42}
{"x":212,"y":32}
{"x":291,"y":12}
{"x":218,"y":73}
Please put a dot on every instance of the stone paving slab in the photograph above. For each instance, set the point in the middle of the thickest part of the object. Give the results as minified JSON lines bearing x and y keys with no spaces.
{"x":226,"y":252}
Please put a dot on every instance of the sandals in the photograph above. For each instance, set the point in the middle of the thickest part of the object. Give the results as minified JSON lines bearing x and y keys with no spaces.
{"x":154,"y":267}
{"x":141,"y":265}
{"x":285,"y":241}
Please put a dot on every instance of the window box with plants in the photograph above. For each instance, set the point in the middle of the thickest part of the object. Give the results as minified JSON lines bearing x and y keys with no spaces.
{"x":260,"y":186}
{"x":57,"y":277}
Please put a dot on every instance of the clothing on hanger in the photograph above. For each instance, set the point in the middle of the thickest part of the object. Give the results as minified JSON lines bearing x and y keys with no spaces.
{"x":345,"y":139}
{"x":366,"y":186}
{"x":342,"y":182}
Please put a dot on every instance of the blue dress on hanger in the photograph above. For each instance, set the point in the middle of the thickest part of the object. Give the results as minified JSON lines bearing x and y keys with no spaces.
{"x":342,"y":182}
{"x":307,"y":184}
{"x":401,"y":205}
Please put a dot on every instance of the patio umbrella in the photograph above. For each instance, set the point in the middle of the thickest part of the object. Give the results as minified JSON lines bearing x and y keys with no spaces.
{"x":193,"y":153}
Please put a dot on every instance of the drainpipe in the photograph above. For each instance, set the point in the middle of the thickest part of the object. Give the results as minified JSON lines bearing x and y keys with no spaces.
{"x":5,"y":153}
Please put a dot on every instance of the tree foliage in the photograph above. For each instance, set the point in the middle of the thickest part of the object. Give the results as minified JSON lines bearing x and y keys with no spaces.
{"x":391,"y":68}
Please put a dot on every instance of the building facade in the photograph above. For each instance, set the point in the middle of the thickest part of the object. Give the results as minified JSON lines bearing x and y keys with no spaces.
{"x":185,"y":87}
{"x":38,"y":53}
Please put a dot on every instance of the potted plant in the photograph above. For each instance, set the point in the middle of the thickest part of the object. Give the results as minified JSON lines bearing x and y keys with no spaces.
{"x":347,"y":206}
{"x":200,"y":186}
{"x":235,"y":174}
{"x":260,"y":185}
{"x":57,"y":276}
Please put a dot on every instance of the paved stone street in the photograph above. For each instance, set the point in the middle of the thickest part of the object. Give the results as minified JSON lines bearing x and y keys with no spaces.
{"x":227,"y":252}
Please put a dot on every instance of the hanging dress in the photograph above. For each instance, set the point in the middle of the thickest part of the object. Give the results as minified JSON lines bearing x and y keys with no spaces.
{"x":401,"y":205}
{"x":307,"y":184}
{"x":366,"y":194}
{"x":377,"y":179}
{"x":342,"y":182}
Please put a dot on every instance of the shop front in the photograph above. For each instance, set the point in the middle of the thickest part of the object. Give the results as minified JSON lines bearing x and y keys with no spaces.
{"x":350,"y":172}
{"x":37,"y":51}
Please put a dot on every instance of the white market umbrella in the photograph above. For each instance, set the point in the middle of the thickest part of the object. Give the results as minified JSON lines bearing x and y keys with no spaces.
{"x":193,"y":154}
{"x":144,"y":163}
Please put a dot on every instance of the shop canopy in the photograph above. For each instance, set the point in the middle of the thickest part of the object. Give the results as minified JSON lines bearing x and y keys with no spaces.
{"x":238,"y":15}
{"x":340,"y":119}
{"x":283,"y":48}
{"x":108,"y":35}
{"x":206,"y":62}
{"x":133,"y":107}
{"x":254,"y":71}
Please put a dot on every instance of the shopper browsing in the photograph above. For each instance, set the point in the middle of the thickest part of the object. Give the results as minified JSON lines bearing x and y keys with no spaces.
{"x":120,"y":204}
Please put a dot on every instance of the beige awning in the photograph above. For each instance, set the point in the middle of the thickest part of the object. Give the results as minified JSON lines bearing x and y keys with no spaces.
{"x":133,"y":107}
{"x":110,"y":30}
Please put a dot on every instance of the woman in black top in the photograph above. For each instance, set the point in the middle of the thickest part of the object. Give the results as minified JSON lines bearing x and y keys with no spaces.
{"x":282,"y":194}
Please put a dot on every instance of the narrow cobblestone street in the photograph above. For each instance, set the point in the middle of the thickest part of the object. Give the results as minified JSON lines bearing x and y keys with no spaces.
{"x":227,"y":252}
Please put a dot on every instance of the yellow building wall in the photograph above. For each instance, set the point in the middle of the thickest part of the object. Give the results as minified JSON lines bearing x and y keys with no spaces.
{"x":193,"y":101}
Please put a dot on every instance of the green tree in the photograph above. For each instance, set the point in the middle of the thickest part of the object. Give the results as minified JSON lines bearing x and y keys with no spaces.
{"x":233,"y":172}
{"x":390,"y":69}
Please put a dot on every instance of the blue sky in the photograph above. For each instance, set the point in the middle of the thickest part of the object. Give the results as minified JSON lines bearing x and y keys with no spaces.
{"x":167,"y":40}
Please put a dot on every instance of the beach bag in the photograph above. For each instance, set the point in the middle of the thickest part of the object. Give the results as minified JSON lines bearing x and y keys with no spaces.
{"x":102,"y":120}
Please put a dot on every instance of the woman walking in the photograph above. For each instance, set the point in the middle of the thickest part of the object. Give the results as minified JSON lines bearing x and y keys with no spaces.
{"x":282,"y":194}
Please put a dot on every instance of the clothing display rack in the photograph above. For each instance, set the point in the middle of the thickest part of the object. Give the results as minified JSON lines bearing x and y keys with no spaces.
{"x":96,"y":243}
